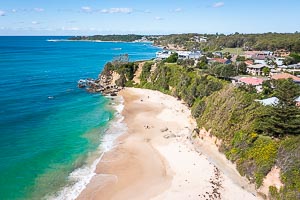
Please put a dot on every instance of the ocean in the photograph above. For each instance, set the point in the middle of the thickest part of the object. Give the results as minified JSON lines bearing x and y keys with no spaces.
{"x":51,"y":132}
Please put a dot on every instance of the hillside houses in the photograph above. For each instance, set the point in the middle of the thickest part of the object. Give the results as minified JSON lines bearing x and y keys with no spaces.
{"x":265,"y":64}
{"x":199,"y":38}
{"x":161,"y":55}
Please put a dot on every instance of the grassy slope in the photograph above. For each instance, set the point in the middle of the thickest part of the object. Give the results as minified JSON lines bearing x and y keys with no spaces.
{"x":236,"y":51}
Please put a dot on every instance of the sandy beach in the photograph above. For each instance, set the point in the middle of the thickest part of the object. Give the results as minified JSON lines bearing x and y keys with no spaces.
{"x":156,"y":159}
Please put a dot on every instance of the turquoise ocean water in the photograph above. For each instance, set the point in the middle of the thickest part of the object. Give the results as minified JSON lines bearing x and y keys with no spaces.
{"x":49,"y":127}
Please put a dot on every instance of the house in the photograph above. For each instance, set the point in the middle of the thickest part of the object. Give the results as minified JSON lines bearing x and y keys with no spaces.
{"x":275,"y":71}
{"x":195,"y":55}
{"x":279,"y":61}
{"x":183,"y":54}
{"x":189,"y":54}
{"x":220,"y":60}
{"x":281,"y":53}
{"x":286,"y":76}
{"x":269,"y":101}
{"x":249,"y":54}
{"x":294,"y":66}
{"x":249,"y":62}
{"x":218,"y":54}
{"x":253,"y":81}
{"x":256,"y":70}
{"x":273,"y":101}
{"x":297,"y":101}
{"x":258,"y":55}
{"x":199,"y":39}
{"x":260,"y":61}
{"x":163,"y":54}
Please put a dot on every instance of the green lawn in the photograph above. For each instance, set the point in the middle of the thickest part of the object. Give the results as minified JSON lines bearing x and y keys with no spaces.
{"x":238,"y":51}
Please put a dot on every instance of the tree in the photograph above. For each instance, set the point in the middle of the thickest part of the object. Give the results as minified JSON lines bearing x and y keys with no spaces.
{"x":240,"y":58}
{"x":289,"y":61}
{"x":222,"y":71}
{"x":227,"y":55}
{"x":202,"y":63}
{"x":172,"y":58}
{"x":267,"y":88}
{"x":266,"y":71}
{"x":296,"y":57}
{"x":241,"y":68}
{"x":186,"y":62}
{"x":209,"y":54}
{"x":284,"y":117}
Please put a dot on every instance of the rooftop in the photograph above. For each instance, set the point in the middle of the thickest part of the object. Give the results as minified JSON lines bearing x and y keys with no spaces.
{"x":269,"y":102}
{"x":251,"y":80}
{"x":257,"y":66}
{"x":285,"y":76}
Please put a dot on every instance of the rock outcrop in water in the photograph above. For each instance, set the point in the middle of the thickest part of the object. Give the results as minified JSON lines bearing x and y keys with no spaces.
{"x":104,"y":84}
{"x":115,"y":75}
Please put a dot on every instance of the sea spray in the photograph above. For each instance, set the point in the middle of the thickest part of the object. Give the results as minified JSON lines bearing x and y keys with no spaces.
{"x":80,"y":178}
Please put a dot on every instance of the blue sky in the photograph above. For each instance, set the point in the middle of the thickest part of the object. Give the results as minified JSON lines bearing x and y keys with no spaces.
{"x":88,"y":17}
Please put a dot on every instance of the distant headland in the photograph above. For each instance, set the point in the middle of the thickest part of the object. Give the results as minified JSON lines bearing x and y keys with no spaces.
{"x":208,"y":42}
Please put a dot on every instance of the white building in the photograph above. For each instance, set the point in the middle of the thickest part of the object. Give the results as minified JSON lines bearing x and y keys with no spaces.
{"x":256,"y":70}
{"x":183,"y":54}
{"x":189,"y":54}
{"x":163,"y":54}
{"x":195,"y":55}
{"x":279,"y":61}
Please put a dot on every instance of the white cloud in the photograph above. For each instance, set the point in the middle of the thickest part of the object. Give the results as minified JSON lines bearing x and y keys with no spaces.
{"x":39,"y":9}
{"x":218,"y":5}
{"x":35,"y":22}
{"x":14,"y":10}
{"x":86,"y":9}
{"x":158,"y":18}
{"x":2,"y":13}
{"x":178,"y":10}
{"x":117,"y":10}
{"x":147,"y":11}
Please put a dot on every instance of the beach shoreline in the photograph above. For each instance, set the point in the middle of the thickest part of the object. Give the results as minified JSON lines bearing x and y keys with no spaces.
{"x":155,"y":158}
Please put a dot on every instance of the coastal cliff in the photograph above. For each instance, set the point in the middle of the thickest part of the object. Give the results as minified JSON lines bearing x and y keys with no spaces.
{"x":231,"y":116}
{"x":226,"y":114}
{"x":115,"y":76}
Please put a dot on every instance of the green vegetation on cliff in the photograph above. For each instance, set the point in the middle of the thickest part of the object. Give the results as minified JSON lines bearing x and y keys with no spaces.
{"x":234,"y":117}
{"x":266,"y":41}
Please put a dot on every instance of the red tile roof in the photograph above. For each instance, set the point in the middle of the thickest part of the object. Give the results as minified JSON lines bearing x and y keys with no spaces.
{"x":249,"y":62}
{"x":251,"y":80}
{"x":285,"y":76}
{"x":219,"y":60}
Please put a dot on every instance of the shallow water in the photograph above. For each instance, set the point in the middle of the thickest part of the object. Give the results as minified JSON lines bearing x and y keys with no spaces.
{"x":48,"y":127}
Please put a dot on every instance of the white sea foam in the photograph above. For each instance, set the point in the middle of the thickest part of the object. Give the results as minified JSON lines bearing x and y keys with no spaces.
{"x":82,"y":176}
